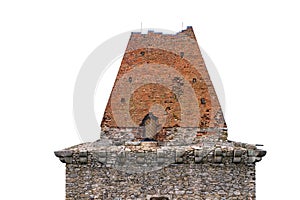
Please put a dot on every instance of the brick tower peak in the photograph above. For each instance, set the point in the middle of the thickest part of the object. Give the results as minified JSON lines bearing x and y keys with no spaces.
{"x":189,"y":32}
{"x":165,"y":75}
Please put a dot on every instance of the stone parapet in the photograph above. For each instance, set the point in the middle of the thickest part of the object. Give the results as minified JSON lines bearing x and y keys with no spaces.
{"x":148,"y":156}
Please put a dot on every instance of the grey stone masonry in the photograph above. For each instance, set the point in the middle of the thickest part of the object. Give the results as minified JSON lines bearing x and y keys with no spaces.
{"x":151,"y":154}
{"x":142,"y":170}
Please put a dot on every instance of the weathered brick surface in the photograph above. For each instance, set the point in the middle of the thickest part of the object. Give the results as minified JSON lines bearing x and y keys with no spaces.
{"x":181,"y":53}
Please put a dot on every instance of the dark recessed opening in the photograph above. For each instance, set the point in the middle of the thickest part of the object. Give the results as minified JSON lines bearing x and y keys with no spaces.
{"x":203,"y":101}
{"x":148,"y":140}
{"x":142,"y":53}
{"x":159,"y":198}
{"x":130,"y":79}
{"x":181,"y":54}
{"x":194,"y":80}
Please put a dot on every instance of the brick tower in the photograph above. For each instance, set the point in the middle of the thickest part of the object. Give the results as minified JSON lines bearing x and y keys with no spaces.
{"x":163,"y":133}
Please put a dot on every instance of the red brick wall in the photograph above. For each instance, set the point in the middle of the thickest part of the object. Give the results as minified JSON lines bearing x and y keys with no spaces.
{"x":179,"y":52}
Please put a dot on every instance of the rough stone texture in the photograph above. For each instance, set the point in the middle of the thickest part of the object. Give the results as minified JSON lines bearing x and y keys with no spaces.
{"x":176,"y":181}
{"x":144,"y":170}
{"x":156,"y":151}
{"x":149,"y":156}
{"x":168,"y":136}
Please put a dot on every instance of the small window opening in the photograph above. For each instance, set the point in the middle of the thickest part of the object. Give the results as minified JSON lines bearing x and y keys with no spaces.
{"x":181,"y":54}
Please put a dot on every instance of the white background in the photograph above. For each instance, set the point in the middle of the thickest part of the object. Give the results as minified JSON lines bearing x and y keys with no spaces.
{"x":254,"y":45}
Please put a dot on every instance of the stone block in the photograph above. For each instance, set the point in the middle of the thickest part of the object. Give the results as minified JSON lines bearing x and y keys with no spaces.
{"x":236,"y":159}
{"x":83,"y":154}
{"x":218,"y":159}
{"x":160,"y":153}
{"x":140,"y":160}
{"x":198,"y":159}
{"x":102,"y":159}
{"x":218,"y":152}
{"x":101,"y":153}
{"x":83,"y":160}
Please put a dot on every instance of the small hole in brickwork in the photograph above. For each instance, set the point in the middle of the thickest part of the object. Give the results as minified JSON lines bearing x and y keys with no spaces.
{"x":123,"y":100}
{"x":130,"y":79}
{"x":181,"y":54}
{"x":203,"y":101}
{"x":194,"y":80}
{"x":167,"y":108}
{"x":142,"y":53}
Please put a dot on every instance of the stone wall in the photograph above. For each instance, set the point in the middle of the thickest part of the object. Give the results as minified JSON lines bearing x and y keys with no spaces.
{"x":167,"y":136}
{"x":225,"y":170}
{"x":176,"y":181}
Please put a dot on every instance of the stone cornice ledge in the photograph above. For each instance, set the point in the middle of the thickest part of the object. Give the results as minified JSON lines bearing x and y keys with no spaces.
{"x":225,"y":152}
